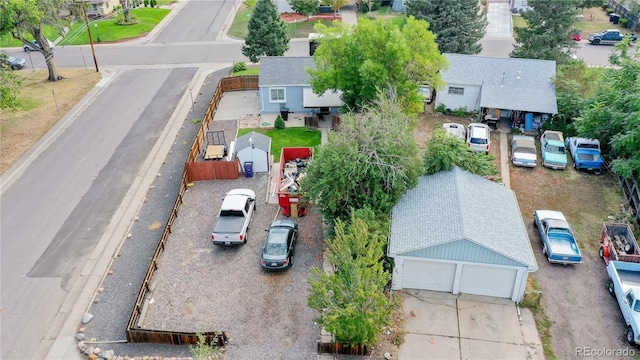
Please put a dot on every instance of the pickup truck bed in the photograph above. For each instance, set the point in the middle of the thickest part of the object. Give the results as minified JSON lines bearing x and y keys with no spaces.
{"x":562,"y":248}
{"x":629,"y":278}
{"x":229,"y":224}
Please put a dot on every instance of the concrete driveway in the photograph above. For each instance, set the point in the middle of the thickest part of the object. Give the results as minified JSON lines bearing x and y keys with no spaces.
{"x":444,"y":326}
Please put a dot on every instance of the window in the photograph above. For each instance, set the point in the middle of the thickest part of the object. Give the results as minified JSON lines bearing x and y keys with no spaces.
{"x":456,"y":90}
{"x":277,"y":95}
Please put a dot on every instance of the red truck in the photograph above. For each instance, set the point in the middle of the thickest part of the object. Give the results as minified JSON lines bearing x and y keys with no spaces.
{"x":293,"y":163}
{"x":618,"y":243}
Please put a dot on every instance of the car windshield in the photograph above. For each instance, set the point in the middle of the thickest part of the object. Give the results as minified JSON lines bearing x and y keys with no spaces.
{"x":277,"y":242}
{"x":555,"y":149}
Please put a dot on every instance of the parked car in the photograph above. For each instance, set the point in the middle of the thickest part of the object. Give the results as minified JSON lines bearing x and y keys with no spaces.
{"x":427,"y":92}
{"x":35,"y":46}
{"x":12,"y":62}
{"x":609,"y":37}
{"x":558,"y":242}
{"x":576,"y":37}
{"x":586,"y":153}
{"x":277,"y":253}
{"x":479,"y":137}
{"x":623,"y":285}
{"x":456,"y":130}
{"x":554,"y":154}
{"x":234,"y":218}
{"x":523,"y":151}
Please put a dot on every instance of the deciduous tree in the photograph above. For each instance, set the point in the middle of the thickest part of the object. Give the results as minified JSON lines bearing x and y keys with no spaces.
{"x":458,"y":24}
{"x":305,"y":7}
{"x":336,"y":5}
{"x":9,"y":87}
{"x":547,"y":35}
{"x":369,"y":161}
{"x":612,"y":115}
{"x":352,"y":302}
{"x":444,"y":151}
{"x":359,"y":60}
{"x":267,"y":33}
{"x":26,"y":18}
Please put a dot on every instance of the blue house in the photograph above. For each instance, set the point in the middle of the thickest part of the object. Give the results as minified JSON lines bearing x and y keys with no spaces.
{"x":284,"y":85}
{"x":399,"y":5}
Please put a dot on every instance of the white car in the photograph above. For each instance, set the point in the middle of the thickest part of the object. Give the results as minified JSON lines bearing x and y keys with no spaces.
{"x":34,"y":46}
{"x":427,"y":92}
{"x":479,"y":137}
{"x":456,"y":130}
{"x":523,"y":151}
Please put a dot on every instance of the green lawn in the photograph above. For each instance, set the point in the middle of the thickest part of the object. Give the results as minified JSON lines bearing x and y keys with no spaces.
{"x":302,"y":29}
{"x":249,"y":71}
{"x":288,"y":137}
{"x":8,"y":41}
{"x":107,"y":30}
{"x":518,"y":21}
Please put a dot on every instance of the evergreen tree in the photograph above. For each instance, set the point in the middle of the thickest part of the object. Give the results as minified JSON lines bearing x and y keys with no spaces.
{"x":547,"y":35}
{"x":267,"y":33}
{"x":458,"y":24}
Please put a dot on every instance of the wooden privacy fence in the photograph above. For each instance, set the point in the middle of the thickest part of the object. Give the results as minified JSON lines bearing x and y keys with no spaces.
{"x":211,"y":172}
{"x":632,"y":194}
{"x":134,"y":330}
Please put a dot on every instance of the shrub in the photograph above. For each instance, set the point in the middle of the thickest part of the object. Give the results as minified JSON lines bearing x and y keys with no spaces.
{"x":239,"y":66}
{"x":461,"y":112}
{"x":624,"y":22}
{"x":440,"y":108}
{"x":605,"y":6}
{"x":132,"y":20}
{"x":279,"y":123}
{"x":609,"y":10}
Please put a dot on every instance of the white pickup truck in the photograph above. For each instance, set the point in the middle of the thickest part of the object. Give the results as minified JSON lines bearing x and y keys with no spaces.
{"x":234,"y":217}
{"x":624,"y":285}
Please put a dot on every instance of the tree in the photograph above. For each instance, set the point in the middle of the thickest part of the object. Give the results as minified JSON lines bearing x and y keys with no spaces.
{"x":305,"y":7}
{"x":369,"y":161}
{"x":373,"y":55}
{"x":336,"y":5}
{"x":352,"y":302}
{"x":612,"y":115}
{"x":458,"y":24}
{"x":9,"y":88}
{"x":547,"y":35}
{"x":267,"y":33}
{"x":445,"y":151}
{"x":126,"y":11}
{"x":20,"y":18}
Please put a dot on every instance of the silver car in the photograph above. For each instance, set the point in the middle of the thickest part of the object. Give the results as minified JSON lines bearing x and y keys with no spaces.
{"x":456,"y":130}
{"x":523,"y":151}
{"x":12,"y":62}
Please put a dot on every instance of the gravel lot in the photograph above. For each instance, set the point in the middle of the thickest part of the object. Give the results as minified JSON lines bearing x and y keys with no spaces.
{"x":202,"y":286}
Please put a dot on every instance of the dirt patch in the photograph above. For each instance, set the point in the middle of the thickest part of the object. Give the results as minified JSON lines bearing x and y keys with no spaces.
{"x":44,"y":103}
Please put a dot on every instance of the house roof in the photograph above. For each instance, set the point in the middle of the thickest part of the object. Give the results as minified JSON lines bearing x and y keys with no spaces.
{"x":457,"y":205}
{"x":285,"y":70}
{"x":507,"y":83}
{"x":260,"y":141}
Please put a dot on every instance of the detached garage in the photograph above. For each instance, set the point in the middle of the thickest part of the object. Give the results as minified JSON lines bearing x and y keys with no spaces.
{"x":461,"y":233}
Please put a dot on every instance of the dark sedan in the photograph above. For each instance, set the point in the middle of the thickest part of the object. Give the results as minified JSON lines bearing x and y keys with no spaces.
{"x":277,"y":253}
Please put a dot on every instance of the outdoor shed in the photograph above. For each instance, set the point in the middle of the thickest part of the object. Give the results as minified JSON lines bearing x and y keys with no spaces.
{"x":285,"y":84}
{"x":254,"y":147}
{"x":461,"y":233}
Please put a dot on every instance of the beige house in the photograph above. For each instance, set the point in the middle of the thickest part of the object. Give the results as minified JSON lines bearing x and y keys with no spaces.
{"x":100,"y":8}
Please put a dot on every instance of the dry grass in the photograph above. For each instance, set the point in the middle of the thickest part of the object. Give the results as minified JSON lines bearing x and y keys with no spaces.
{"x":42,"y":104}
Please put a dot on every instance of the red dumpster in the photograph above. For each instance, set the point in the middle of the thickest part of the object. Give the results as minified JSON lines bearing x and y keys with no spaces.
{"x":293,"y":162}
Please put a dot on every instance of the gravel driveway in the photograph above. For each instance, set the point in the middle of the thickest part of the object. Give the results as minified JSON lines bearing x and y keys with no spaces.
{"x":206,"y":287}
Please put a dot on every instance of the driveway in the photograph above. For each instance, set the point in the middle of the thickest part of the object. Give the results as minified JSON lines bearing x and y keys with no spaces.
{"x":444,"y":326}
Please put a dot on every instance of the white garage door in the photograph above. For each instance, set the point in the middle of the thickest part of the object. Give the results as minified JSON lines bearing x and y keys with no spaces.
{"x":428,"y":275}
{"x":489,"y":281}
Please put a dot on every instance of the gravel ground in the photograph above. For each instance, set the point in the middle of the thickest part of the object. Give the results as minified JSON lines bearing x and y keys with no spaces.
{"x":200,"y":285}
{"x":113,"y":307}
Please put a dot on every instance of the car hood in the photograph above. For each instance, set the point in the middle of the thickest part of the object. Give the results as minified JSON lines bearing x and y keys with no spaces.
{"x":558,"y":158}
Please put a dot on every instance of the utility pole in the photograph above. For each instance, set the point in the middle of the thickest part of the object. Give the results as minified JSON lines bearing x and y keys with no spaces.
{"x":86,"y":20}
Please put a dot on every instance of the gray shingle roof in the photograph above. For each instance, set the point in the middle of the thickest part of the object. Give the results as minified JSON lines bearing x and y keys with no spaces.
{"x":458,"y":205}
{"x":260,"y":141}
{"x":285,"y":70}
{"x":507,"y":83}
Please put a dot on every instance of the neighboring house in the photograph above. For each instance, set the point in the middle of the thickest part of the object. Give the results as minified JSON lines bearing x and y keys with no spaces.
{"x":285,"y":84}
{"x":461,"y":233}
{"x":624,"y":8}
{"x":254,"y":147}
{"x":520,"y":90}
{"x":519,"y":6}
{"x":399,"y":5}
{"x":101,"y":8}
